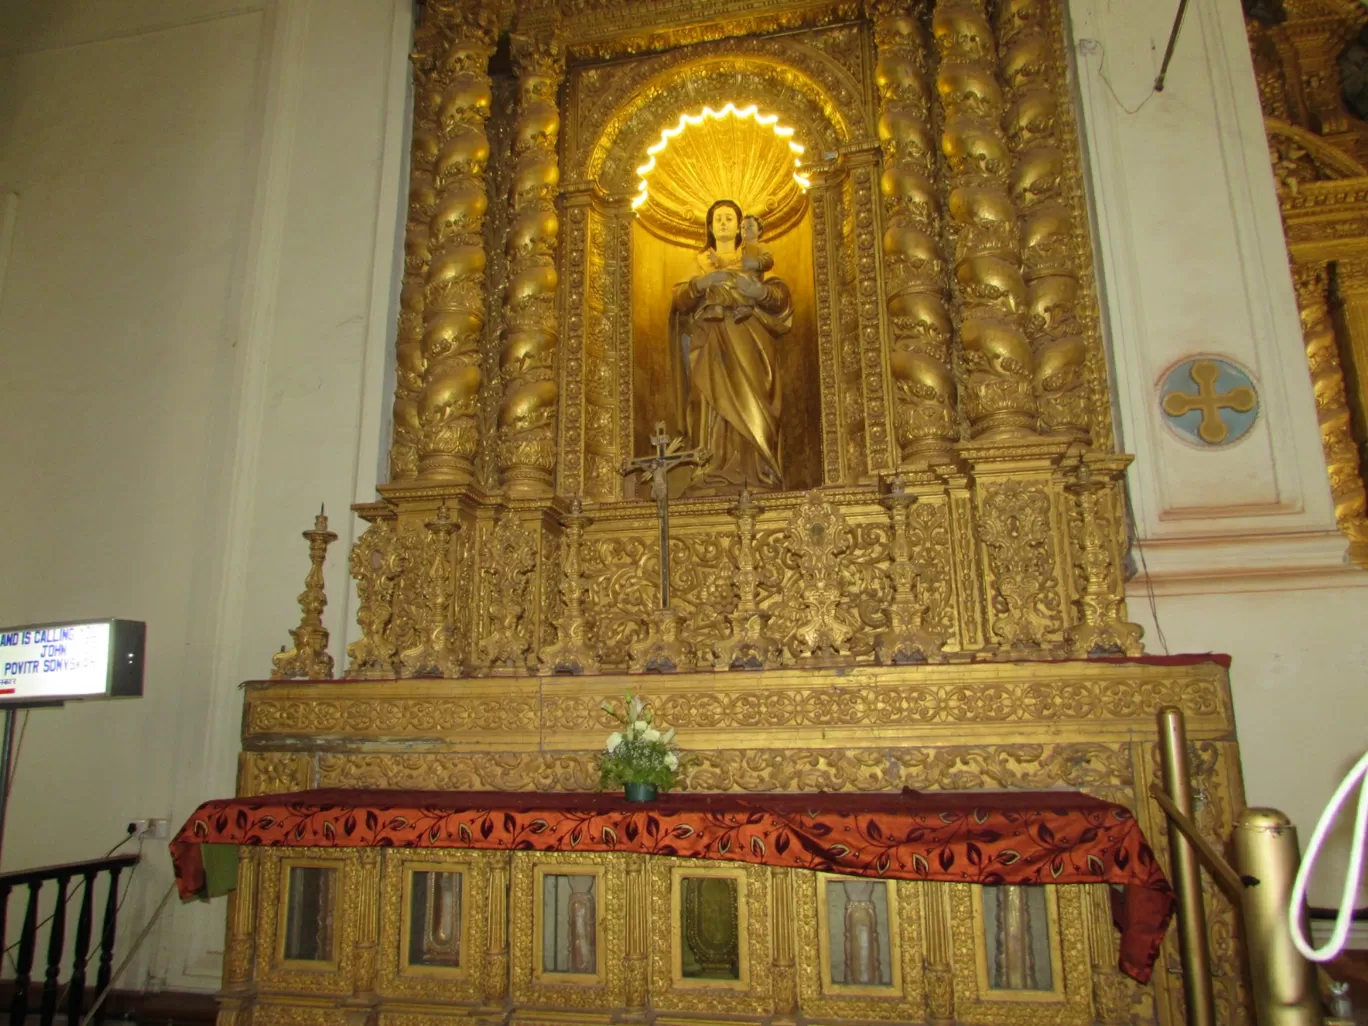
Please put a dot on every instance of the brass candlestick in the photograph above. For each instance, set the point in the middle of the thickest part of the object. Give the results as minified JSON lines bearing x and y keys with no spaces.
{"x":309,"y":658}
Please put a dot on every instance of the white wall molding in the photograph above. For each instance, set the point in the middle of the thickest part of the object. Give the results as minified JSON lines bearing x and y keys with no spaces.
{"x":1191,"y":250}
{"x":212,"y":749}
{"x":1216,"y":566}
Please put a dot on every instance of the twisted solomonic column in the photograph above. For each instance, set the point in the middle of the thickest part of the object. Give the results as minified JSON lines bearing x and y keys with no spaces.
{"x":422,"y":201}
{"x":453,"y":292}
{"x":527,"y":418}
{"x":1047,"y":227}
{"x":914,"y":270}
{"x":1332,"y":405}
{"x":996,"y":366}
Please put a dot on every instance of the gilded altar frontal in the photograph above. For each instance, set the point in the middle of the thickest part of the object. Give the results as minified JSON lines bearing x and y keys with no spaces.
{"x":748,"y":358}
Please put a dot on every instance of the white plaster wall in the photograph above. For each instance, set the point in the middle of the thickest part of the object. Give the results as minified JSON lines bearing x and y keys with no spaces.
{"x":194,"y":304}
{"x":1238,"y":549}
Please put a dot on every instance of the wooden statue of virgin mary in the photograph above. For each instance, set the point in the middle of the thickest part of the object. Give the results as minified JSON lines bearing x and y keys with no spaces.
{"x":724,"y":328}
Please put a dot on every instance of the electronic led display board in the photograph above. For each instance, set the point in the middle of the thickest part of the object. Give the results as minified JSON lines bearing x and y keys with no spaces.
{"x":62,"y":662}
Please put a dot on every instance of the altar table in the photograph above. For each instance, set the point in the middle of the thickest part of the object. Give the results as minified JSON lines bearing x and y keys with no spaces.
{"x":1009,"y":837}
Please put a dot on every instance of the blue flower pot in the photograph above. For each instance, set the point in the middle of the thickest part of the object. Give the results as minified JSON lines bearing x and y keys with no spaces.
{"x":640,"y":792}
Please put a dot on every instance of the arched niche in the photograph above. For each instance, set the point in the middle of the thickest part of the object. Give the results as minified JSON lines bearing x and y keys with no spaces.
{"x":617,"y":111}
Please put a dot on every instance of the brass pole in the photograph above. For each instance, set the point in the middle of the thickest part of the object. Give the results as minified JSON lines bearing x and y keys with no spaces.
{"x":1284,"y":982}
{"x":1187,"y":874}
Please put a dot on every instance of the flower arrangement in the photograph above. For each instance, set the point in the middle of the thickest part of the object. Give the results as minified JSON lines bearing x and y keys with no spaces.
{"x":639,"y":753}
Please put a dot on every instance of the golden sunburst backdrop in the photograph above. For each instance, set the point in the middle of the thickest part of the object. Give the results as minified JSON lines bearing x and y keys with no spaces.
{"x":740,"y":154}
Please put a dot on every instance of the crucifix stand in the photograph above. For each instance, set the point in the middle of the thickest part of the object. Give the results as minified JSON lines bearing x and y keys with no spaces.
{"x":661,"y":651}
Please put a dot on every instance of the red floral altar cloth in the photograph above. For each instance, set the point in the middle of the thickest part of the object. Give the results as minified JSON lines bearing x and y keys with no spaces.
{"x":1016,"y":837}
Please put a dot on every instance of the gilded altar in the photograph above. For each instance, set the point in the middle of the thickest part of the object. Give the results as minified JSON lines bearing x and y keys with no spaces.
{"x":929,"y":591}
{"x":937,"y":952}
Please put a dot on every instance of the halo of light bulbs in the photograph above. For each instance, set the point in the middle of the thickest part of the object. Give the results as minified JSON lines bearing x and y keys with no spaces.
{"x":729,"y":111}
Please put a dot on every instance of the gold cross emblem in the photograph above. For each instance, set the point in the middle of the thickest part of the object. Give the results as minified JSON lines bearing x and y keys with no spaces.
{"x":1213,"y":429}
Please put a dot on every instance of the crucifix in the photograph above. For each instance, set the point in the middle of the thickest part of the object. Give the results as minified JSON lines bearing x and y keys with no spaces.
{"x":661,"y":650}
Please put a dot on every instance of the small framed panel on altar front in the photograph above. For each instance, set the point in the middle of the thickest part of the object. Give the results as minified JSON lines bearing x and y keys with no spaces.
{"x":306,"y":920}
{"x":986,"y":988}
{"x":307,"y":938}
{"x":1016,"y":943}
{"x":858,"y":946}
{"x":827,"y":991}
{"x":708,"y":909}
{"x":709,"y":937}
{"x":568,"y":930}
{"x":434,"y":923}
{"x":567,"y":922}
{"x":433,"y":935}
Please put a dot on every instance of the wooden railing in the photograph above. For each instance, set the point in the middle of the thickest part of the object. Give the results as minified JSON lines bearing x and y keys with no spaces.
{"x":84,"y":876}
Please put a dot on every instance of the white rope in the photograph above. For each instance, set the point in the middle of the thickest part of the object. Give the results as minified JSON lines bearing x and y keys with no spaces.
{"x":1358,"y":777}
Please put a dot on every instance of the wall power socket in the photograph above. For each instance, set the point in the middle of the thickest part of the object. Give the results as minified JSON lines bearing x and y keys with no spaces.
{"x":150,"y":829}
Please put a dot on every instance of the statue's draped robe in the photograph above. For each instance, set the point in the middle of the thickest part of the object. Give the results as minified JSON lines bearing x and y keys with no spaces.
{"x":730,"y":392}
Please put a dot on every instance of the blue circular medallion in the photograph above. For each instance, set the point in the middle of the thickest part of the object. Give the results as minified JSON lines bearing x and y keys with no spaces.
{"x":1209,"y":401}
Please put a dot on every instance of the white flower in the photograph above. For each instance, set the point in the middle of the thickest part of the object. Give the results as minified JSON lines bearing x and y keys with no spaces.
{"x":634,"y":711}
{"x":640,"y":727}
{"x":668,"y":736}
{"x":651,"y":734}
{"x":614,"y":739}
{"x":672,"y":760}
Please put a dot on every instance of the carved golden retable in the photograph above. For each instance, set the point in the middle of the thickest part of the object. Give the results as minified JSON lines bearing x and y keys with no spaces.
{"x":921,"y":604}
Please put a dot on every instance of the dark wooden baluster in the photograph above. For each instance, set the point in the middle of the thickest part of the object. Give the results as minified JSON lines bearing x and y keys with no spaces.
{"x":4,"y":915}
{"x":24,"y":963}
{"x":56,"y":945}
{"x":76,"y":987}
{"x":111,"y":915}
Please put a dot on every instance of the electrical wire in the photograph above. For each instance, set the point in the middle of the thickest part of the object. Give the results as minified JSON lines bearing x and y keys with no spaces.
{"x":1101,"y":64}
{"x":8,"y":952}
{"x":142,"y":936}
{"x":1139,"y":547}
{"x":128,"y":886}
{"x":1357,"y":777}
{"x":14,"y":762}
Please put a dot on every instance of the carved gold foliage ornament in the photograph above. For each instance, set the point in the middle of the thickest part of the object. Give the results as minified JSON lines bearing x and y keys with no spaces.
{"x":1104,"y":630}
{"x":745,"y":708}
{"x":749,"y":645}
{"x":377,"y":563}
{"x":818,"y":535}
{"x":1017,"y":533}
{"x":572,"y":651}
{"x":906,"y":640}
{"x":507,"y":568}
{"x":437,"y":644}
{"x":310,"y":657}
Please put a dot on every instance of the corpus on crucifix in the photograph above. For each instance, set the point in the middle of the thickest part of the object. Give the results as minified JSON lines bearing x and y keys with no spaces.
{"x":661,"y":650}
